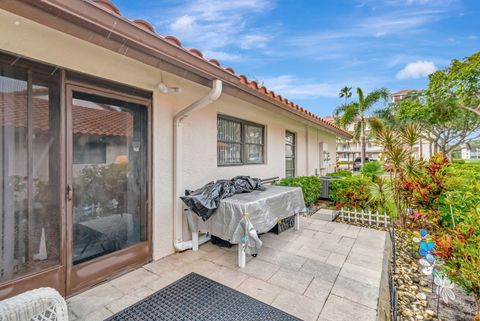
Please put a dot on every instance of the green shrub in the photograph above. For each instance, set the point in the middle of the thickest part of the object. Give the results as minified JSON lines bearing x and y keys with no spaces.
{"x":372,"y":169}
{"x":458,"y":161}
{"x":462,"y":195}
{"x":341,"y":173}
{"x":310,"y":186}
{"x":462,"y":257}
{"x":351,"y":192}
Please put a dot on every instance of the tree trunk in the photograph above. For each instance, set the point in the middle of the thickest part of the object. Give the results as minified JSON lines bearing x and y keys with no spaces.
{"x":421,"y":149}
{"x":477,"y":300}
{"x":363,"y":141}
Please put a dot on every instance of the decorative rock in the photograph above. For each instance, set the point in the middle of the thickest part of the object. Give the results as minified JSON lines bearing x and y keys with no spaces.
{"x":421,"y":296}
{"x":407,"y":313}
{"x":429,"y":313}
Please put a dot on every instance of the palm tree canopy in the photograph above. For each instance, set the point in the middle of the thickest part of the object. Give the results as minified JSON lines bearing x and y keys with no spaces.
{"x":349,"y":113}
{"x":345,"y":92}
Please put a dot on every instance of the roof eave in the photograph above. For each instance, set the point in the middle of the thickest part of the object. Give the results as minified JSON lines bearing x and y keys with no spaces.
{"x":115,"y":32}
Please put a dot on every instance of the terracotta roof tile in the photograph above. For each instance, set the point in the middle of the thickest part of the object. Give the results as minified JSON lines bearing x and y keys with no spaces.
{"x":403,"y":91}
{"x":89,"y":121}
{"x":109,"y":6}
{"x":144,"y":24}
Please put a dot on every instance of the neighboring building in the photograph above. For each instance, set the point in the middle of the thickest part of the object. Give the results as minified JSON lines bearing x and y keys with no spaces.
{"x":348,"y":149}
{"x":95,"y":150}
{"x":399,"y":95}
{"x":470,"y":153}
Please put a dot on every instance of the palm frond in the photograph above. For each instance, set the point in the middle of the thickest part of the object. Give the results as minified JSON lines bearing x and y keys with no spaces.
{"x":387,"y":138}
{"x":413,"y":167}
{"x":375,"y":97}
{"x":346,"y":113}
{"x":345,"y":92}
{"x":360,"y":97}
{"x":357,"y":132}
{"x":381,"y":193}
{"x":397,"y":155}
{"x":376,"y":125}
{"x":410,"y":134}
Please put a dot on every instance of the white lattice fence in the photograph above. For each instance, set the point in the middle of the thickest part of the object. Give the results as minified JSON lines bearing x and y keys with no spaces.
{"x":363,"y":216}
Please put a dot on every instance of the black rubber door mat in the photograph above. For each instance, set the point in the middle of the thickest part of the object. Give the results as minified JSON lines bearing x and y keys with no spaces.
{"x":197,"y":298}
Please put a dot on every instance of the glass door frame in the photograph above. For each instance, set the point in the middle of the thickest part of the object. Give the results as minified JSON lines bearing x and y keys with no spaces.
{"x":81,"y":276}
{"x":53,"y":276}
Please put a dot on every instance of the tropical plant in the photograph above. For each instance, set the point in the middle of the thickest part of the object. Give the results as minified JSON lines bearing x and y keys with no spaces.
{"x":398,"y":145}
{"x":351,"y":192}
{"x":381,"y":195}
{"x":354,"y":113}
{"x":373,"y":170}
{"x":463,"y":262}
{"x":345,"y":92}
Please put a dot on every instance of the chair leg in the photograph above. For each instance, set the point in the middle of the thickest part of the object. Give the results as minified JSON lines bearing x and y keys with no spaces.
{"x":297,"y":221}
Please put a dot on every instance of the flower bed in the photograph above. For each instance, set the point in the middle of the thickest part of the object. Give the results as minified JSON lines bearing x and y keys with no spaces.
{"x":442,"y":200}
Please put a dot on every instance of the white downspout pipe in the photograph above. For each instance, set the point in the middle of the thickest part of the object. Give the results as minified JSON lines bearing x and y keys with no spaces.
{"x":213,"y":95}
{"x":307,"y":149}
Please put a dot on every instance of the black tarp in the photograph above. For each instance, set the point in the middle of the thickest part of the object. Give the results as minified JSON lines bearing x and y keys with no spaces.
{"x":204,"y":201}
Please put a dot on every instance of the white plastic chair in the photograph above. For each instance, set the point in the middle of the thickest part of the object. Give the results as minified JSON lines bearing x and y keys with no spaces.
{"x":43,"y":304}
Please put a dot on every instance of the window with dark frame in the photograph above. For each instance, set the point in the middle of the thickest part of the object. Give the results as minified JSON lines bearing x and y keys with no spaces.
{"x":239,"y":142}
{"x":290,"y":141}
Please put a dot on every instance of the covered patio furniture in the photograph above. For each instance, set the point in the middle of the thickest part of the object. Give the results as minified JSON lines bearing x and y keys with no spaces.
{"x":239,"y":218}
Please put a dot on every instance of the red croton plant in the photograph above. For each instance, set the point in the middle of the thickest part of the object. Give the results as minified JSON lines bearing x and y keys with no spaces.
{"x":423,"y":190}
{"x":458,"y":246}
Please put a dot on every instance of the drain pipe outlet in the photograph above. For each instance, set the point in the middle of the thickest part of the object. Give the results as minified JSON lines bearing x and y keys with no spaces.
{"x":212,"y":96}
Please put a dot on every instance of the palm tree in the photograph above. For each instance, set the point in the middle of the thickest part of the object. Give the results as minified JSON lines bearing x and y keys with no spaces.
{"x":345,"y":92}
{"x":354,"y":113}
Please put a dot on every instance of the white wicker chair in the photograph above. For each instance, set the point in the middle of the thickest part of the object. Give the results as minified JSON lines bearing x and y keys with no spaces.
{"x":43,"y":304}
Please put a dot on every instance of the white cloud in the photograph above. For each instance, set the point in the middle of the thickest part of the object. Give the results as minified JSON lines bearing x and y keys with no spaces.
{"x":291,"y":87}
{"x":416,"y":69}
{"x":216,"y":24}
{"x":298,"y":88}
{"x":374,"y":3}
{"x":254,"y":41}
{"x":184,"y":23}
{"x":222,"y":55}
{"x":397,"y":23}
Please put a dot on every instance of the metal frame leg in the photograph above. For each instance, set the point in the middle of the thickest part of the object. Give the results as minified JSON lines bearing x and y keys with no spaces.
{"x":297,"y":221}
{"x":241,"y":256}
{"x":195,"y":241}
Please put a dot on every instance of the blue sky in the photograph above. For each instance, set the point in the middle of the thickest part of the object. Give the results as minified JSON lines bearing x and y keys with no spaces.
{"x":307,"y":50}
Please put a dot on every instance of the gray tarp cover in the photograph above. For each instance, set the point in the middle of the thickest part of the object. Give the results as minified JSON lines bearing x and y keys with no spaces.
{"x":264,"y":209}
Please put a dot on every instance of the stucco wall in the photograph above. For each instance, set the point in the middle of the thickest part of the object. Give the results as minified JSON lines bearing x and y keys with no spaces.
{"x":32,"y":40}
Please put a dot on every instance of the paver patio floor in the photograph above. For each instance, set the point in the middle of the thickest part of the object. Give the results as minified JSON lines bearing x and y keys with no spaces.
{"x":324,"y":272}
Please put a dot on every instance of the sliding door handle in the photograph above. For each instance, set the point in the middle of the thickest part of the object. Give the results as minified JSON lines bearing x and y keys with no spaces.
{"x":69,"y":192}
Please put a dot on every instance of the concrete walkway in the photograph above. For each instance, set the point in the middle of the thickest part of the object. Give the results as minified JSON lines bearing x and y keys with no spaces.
{"x":324,"y":272}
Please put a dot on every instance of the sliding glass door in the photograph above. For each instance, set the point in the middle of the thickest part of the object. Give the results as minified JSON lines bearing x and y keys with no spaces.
{"x":74,"y":178}
{"x":107,"y":181}
{"x":31,"y":198}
